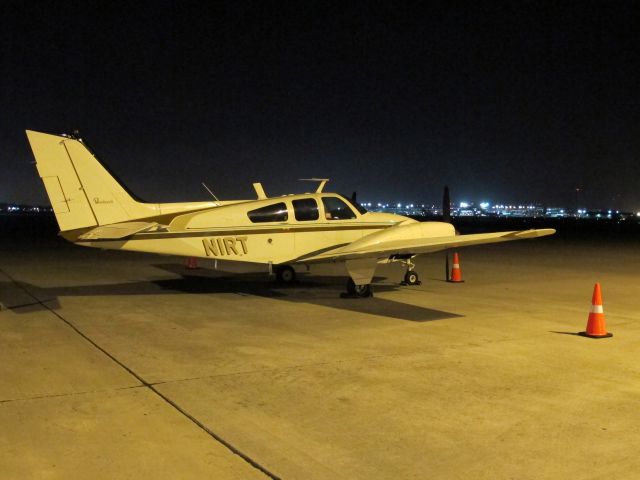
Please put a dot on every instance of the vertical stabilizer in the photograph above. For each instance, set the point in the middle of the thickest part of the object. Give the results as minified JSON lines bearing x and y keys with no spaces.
{"x":81,"y":190}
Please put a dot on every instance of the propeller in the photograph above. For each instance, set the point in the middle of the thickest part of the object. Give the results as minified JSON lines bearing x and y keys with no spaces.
{"x":446,"y":217}
{"x":446,"y":205}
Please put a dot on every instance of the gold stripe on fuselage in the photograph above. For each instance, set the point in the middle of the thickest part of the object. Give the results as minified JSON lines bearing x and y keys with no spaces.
{"x":249,"y":230}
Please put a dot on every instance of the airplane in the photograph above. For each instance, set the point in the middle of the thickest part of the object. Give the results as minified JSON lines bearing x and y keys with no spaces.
{"x":94,"y":209}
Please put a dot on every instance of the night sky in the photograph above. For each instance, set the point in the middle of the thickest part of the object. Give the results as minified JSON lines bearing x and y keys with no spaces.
{"x":522,"y":102}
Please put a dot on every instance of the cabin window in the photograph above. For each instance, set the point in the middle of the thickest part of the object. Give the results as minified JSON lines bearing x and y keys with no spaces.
{"x":305,"y":209}
{"x":271,"y":213}
{"x":336,"y":209}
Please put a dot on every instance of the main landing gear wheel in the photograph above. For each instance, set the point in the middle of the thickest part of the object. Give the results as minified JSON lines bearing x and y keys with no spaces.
{"x":357,"y":291}
{"x":285,"y":274}
{"x":411,"y":278}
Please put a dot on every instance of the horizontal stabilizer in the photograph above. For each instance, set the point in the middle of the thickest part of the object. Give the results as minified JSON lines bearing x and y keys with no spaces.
{"x":117,"y":231}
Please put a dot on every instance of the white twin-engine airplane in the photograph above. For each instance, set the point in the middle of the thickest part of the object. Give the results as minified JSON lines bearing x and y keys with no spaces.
{"x":94,"y":210}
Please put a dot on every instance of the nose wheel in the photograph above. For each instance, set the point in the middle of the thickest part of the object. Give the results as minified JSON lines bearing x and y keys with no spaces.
{"x":411,"y":278}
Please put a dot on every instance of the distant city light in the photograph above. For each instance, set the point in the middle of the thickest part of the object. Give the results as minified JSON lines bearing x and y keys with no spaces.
{"x":467,"y":208}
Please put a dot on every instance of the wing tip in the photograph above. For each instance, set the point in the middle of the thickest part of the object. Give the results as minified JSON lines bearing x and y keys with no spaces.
{"x":535,"y":232}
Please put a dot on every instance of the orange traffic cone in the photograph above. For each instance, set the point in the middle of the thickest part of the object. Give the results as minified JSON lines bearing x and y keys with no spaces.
{"x":192,"y":263}
{"x":596,"y":324}
{"x":456,"y":273}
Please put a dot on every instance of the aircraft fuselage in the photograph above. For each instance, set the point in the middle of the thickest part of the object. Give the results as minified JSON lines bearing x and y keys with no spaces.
{"x":276,"y":230}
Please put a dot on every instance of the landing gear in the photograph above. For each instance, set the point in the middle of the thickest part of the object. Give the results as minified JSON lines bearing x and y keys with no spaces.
{"x":285,"y":274}
{"x":411,"y":278}
{"x":357,"y":291}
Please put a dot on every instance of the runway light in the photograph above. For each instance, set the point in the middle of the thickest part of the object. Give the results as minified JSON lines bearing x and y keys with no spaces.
{"x":484,"y":205}
{"x":464,"y":204}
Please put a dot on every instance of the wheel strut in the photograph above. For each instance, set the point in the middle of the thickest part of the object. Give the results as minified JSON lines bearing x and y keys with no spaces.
{"x":410,"y":277}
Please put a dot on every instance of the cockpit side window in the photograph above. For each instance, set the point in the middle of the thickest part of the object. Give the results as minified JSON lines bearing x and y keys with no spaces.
{"x":276,"y":212}
{"x":305,"y":209}
{"x":336,"y":209}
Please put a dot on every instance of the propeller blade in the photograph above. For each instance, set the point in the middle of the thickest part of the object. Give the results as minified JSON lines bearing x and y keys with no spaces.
{"x":446,"y":206}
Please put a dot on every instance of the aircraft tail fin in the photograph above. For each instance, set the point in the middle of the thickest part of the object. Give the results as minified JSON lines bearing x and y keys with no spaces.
{"x":82,"y":191}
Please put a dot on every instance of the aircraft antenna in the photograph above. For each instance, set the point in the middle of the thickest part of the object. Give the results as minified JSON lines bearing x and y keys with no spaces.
{"x":322,"y":181}
{"x":209,"y":190}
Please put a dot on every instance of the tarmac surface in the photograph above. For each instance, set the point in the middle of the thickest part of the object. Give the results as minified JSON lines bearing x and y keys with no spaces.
{"x":120,"y":365}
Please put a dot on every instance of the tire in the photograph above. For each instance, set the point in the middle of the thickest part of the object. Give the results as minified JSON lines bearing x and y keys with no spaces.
{"x":285,"y":274}
{"x":358,"y":290}
{"x":411,"y":278}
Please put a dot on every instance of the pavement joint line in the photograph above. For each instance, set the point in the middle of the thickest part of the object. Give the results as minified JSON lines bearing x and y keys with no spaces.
{"x":363,"y":358}
{"x":144,"y":383}
{"x":67,"y":394}
{"x":282,"y":369}
{"x":23,"y":305}
{"x":53,"y":395}
{"x":251,"y":372}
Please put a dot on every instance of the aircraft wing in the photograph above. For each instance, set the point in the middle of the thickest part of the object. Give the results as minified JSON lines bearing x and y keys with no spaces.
{"x":382,"y":248}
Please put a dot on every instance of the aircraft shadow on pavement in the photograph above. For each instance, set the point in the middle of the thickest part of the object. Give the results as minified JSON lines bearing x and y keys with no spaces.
{"x":14,"y":297}
{"x":315,"y":290}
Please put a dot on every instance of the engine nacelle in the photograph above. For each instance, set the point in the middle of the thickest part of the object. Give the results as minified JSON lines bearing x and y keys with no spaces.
{"x":404,"y":233}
